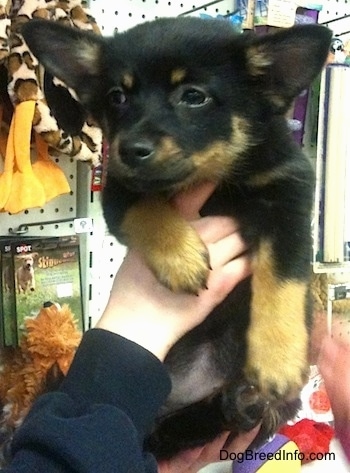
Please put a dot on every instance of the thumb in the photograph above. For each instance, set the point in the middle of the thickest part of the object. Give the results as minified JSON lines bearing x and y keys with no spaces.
{"x":182,"y":462}
{"x":190,"y":201}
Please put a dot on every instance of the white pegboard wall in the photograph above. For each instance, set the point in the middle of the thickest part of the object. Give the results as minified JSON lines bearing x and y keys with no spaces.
{"x":101,"y":254}
{"x":121,"y":16}
{"x":336,"y":15}
{"x":104,"y":264}
{"x":334,"y":9}
{"x":112,"y":16}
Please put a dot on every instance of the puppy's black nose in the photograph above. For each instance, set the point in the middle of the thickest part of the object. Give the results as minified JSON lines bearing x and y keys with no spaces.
{"x":136,"y":153}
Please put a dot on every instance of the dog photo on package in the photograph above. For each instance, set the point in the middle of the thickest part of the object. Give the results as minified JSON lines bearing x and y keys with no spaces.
{"x":47,"y":269}
{"x":183,"y":101}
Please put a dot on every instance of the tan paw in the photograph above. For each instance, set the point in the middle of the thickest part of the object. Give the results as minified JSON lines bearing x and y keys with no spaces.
{"x":277,"y":338}
{"x":182,"y":264}
{"x":279,"y":369}
{"x":170,"y":246}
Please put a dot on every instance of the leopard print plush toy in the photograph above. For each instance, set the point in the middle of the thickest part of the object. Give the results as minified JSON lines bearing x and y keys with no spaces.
{"x":58,"y":117}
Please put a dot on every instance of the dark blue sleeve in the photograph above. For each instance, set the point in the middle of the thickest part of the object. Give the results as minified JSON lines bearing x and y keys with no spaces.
{"x":96,"y":422}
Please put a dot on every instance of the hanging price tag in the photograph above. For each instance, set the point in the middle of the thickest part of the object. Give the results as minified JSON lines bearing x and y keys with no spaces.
{"x":83,"y":225}
{"x":281,"y":13}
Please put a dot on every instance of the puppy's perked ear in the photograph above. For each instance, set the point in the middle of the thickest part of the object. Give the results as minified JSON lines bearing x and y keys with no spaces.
{"x":286,"y":62}
{"x":71,"y":55}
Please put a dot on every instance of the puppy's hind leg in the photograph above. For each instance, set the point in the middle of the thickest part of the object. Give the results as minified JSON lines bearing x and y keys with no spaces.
{"x":243,"y":406}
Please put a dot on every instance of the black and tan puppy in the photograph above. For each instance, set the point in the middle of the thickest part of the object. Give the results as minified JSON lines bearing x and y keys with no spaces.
{"x":182,"y":101}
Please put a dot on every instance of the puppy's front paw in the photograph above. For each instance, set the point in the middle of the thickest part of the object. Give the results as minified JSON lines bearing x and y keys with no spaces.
{"x":171,"y":247}
{"x":181,"y":263}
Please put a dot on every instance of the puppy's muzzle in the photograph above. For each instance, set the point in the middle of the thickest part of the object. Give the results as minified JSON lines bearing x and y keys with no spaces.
{"x":144,"y":164}
{"x":136,"y":154}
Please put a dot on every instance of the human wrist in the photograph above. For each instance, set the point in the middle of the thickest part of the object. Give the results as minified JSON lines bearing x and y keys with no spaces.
{"x":154,"y":337}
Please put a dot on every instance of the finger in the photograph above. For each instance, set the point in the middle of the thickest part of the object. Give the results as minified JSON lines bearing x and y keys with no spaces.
{"x":190,"y":201}
{"x":240,"y":443}
{"x":236,"y":270}
{"x":211,"y":451}
{"x":183,"y":462}
{"x":213,"y":228}
{"x":226,"y":249}
{"x":223,"y":280}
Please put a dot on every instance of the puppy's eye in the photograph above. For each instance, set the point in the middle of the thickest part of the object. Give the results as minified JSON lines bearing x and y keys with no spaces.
{"x":116,"y":97}
{"x":194,"y":97}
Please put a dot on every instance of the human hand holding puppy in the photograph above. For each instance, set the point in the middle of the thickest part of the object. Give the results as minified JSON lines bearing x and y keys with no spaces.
{"x":136,"y":306}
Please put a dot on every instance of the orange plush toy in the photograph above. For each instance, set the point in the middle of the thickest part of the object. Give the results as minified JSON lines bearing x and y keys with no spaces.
{"x":43,"y":357}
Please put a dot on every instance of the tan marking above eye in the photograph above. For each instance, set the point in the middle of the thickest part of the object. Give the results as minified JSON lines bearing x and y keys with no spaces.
{"x":177,"y":76}
{"x":128,"y":80}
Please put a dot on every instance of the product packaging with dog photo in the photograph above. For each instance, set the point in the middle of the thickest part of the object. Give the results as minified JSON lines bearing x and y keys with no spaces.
{"x":47,"y":269}
{"x":7,"y":296}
